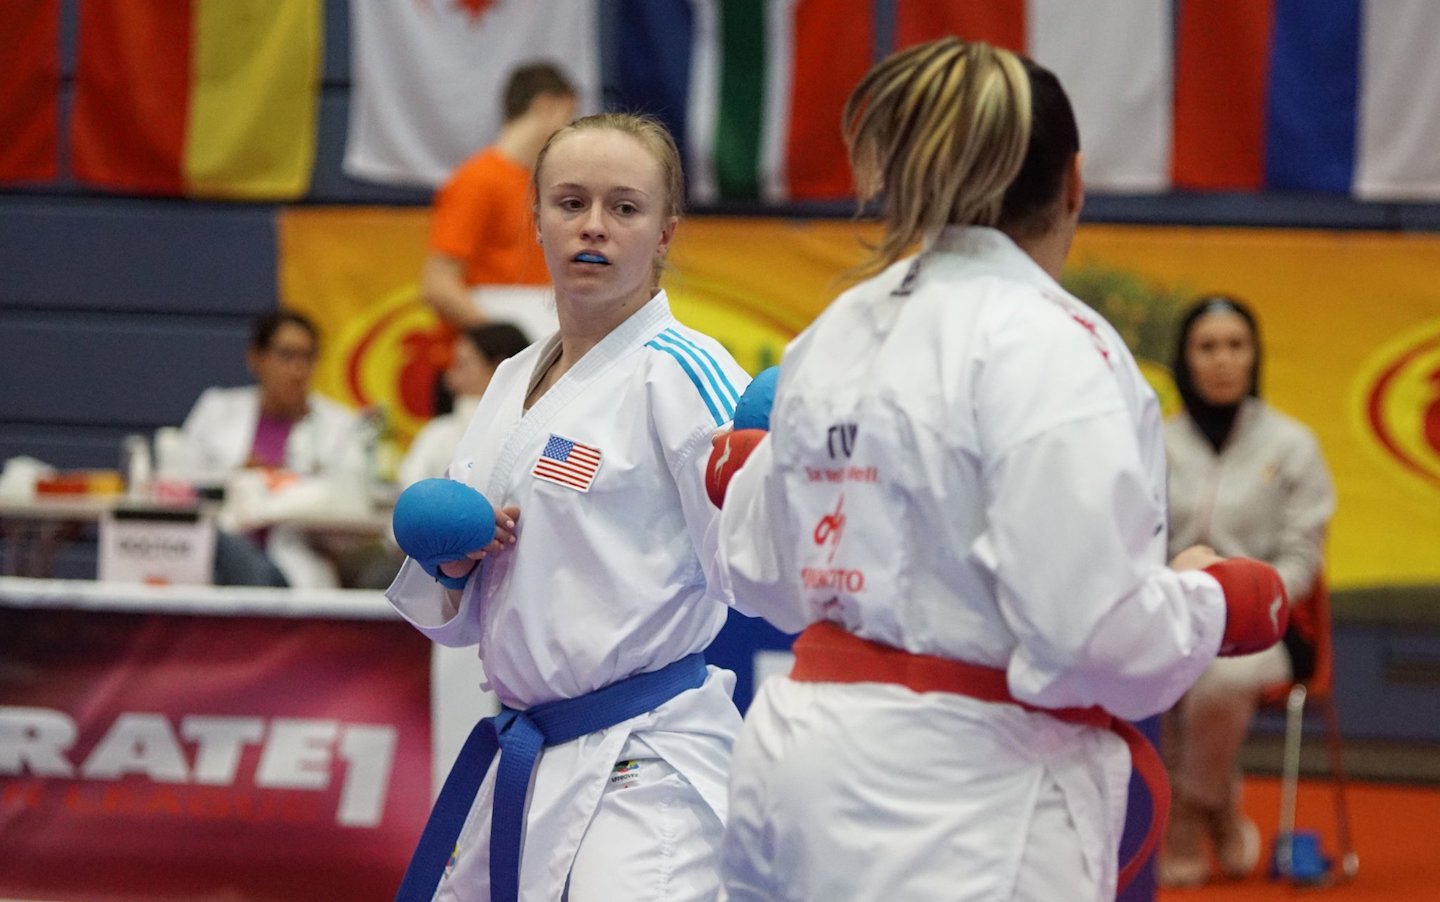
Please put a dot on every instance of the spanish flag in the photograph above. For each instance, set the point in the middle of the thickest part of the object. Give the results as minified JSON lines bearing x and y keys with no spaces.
{"x":198,"y":98}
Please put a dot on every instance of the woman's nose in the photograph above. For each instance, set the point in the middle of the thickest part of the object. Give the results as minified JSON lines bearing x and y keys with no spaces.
{"x":594,"y":223}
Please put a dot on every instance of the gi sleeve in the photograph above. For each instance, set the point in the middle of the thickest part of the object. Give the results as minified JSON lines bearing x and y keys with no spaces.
{"x":1075,"y":531}
{"x":757,"y":566}
{"x":432,"y":610}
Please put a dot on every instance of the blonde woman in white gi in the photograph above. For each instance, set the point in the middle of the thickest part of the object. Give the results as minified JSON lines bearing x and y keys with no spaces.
{"x":592,"y":604}
{"x":961,"y":503}
{"x":1245,"y":479}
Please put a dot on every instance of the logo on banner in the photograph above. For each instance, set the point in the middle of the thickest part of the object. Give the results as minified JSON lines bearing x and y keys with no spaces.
{"x":391,"y":356}
{"x":1399,"y":403}
{"x":293,"y":754}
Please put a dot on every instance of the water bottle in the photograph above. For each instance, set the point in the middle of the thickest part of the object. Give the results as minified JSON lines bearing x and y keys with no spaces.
{"x":136,"y":466}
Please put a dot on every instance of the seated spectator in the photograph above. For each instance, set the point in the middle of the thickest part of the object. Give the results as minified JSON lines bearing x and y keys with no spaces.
{"x":476,"y":353}
{"x":1248,"y":481}
{"x":271,"y":440}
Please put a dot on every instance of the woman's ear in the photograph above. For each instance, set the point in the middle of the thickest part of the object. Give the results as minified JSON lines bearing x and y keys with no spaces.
{"x":667,"y":234}
{"x":1073,"y":191}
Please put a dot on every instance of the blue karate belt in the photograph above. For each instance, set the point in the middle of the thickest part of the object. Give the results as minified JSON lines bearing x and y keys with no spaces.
{"x":519,"y":736}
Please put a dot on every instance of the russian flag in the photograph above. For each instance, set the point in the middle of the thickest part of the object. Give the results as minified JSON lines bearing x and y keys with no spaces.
{"x":199,"y":98}
{"x":1340,"y":97}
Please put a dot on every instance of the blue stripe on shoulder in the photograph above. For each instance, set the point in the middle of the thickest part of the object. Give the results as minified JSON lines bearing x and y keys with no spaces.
{"x":724,"y":392}
{"x":720,"y":418}
{"x":710,"y":359}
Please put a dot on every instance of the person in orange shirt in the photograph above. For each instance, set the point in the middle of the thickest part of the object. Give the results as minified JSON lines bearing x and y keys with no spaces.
{"x":484,"y":262}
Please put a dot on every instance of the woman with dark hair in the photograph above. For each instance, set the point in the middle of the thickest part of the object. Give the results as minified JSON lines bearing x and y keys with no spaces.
{"x":473,"y":359}
{"x":278,"y":424}
{"x":1246,"y":480}
{"x":961,"y":504}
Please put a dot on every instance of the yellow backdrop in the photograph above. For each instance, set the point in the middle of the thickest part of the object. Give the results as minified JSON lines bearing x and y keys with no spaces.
{"x":1351,"y":324}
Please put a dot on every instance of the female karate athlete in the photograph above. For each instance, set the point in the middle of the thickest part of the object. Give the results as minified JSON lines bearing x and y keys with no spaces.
{"x":961,"y":501}
{"x":591,"y":606}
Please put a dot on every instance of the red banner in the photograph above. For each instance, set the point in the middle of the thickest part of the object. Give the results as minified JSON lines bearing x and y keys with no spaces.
{"x":158,"y":757}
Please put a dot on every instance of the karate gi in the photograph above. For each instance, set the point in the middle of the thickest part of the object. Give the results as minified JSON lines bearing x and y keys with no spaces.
{"x":325,"y":448}
{"x":611,"y":576}
{"x":964,"y":461}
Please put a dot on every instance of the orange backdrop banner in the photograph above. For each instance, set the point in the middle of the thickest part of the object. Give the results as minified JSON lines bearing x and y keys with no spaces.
{"x":1350,"y":321}
{"x":355,"y":272}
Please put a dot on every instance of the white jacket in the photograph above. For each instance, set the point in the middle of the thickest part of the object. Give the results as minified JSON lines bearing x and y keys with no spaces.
{"x":219,"y":432}
{"x":1267,"y":494}
{"x":326,"y":448}
{"x":964,"y":461}
{"x":602,"y":583}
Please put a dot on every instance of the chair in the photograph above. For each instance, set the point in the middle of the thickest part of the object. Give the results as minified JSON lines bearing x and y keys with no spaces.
{"x":1311,"y":620}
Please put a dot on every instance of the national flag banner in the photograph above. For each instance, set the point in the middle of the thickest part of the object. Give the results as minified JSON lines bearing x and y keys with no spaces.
{"x":752,"y":89}
{"x":567,"y":462}
{"x":428,"y":76}
{"x":198,"y":98}
{"x":758,"y":110}
{"x":29,"y":90}
{"x":1341,"y":97}
{"x":1238,"y":95}
{"x":1112,"y":56}
{"x":1399,"y":104}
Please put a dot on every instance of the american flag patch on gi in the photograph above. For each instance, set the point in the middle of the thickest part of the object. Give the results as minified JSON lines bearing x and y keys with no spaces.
{"x":568,"y":463}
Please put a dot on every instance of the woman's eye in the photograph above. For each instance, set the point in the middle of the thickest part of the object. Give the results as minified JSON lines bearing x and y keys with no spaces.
{"x":571,"y":203}
{"x":626,"y":209}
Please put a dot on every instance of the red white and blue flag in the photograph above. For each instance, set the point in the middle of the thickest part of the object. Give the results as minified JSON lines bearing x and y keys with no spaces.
{"x":568,"y":463}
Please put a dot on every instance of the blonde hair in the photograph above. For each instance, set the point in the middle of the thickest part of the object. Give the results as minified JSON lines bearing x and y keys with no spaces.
{"x":652,"y":135}
{"x":941,"y":129}
{"x":649,"y":131}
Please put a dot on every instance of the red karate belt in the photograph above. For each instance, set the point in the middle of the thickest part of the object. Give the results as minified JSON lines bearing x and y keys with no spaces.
{"x":827,"y":653}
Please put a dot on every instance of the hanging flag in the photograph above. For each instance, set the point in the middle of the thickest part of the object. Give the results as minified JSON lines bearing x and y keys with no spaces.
{"x":200,"y":98}
{"x":1112,"y":56}
{"x":1222,"y":72}
{"x":1341,"y":97}
{"x":29,"y":90}
{"x":752,"y":89}
{"x":427,"y":77}
{"x":1399,"y":107}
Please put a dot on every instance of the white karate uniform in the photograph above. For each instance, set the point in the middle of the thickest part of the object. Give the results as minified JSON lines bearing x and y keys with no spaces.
{"x":964,"y":461}
{"x":219,"y":433}
{"x":325,"y":448}
{"x":433,"y":446}
{"x":601,"y":584}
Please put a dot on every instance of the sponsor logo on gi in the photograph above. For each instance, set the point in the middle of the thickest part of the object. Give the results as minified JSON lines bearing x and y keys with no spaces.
{"x":841,"y":438}
{"x":625,"y":774}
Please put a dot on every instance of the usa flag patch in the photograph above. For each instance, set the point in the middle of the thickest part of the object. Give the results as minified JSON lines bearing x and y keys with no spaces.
{"x":567,"y":462}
